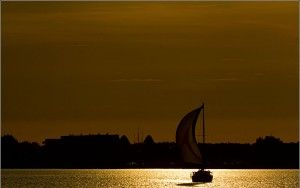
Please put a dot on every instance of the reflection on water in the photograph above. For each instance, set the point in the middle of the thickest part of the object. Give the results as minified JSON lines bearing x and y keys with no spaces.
{"x":147,"y":178}
{"x":188,"y":184}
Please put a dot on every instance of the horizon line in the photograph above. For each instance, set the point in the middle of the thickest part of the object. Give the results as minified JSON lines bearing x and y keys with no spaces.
{"x":156,"y":142}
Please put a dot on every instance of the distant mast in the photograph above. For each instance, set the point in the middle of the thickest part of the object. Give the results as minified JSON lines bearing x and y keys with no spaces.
{"x":139,"y":136}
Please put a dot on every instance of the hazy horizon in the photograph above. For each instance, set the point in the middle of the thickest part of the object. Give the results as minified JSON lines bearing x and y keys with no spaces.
{"x":116,"y":67}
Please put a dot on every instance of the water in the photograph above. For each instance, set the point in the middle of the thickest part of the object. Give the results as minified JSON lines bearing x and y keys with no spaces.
{"x":146,"y":178}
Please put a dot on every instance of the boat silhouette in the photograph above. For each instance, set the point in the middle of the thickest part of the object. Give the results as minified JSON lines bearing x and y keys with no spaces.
{"x":186,"y":141}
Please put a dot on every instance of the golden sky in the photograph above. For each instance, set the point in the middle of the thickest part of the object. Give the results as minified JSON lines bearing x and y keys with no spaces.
{"x":116,"y":67}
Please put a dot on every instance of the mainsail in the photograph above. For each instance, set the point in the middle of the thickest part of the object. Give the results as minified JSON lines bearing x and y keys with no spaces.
{"x":186,"y":139}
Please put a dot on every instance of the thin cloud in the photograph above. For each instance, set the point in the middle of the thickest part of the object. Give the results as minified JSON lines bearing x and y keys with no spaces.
{"x":136,"y":80}
{"x":224,"y":79}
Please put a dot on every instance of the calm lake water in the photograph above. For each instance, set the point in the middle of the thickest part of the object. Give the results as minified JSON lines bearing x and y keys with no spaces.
{"x":147,"y":178}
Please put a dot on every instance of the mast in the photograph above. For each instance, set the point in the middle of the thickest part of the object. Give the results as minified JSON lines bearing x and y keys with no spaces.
{"x":203,"y":126}
{"x":203,"y":129}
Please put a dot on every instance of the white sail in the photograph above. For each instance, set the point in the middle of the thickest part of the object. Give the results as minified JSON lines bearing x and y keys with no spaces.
{"x":186,"y":140}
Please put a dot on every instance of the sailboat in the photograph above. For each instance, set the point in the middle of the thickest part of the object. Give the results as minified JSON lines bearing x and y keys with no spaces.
{"x":186,"y":141}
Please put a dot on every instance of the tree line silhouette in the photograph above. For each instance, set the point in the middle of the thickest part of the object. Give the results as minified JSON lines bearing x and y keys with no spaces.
{"x":114,"y":151}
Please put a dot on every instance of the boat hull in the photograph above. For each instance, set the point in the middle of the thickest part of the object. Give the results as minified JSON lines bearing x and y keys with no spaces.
{"x":202,"y":176}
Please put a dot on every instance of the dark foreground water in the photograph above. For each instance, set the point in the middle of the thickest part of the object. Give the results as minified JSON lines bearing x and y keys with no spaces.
{"x":147,"y":178}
